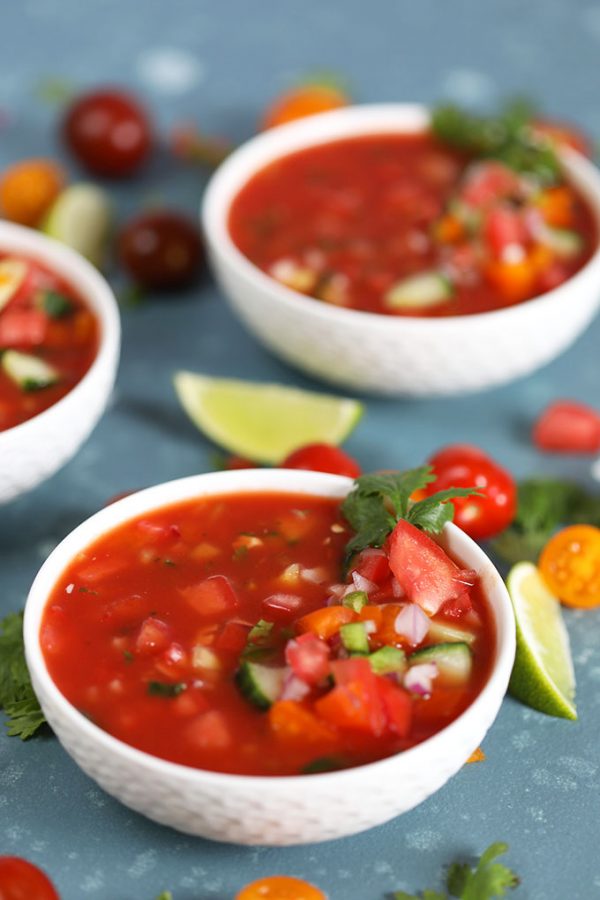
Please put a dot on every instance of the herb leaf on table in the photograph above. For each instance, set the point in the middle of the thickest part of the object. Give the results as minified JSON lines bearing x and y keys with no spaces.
{"x":17,"y":698}
{"x":487,"y":880}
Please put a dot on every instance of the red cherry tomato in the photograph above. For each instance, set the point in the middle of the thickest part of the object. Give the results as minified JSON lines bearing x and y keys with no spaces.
{"x":568,"y":427}
{"x":161,"y":250}
{"x":234,"y":462}
{"x":109,"y":133}
{"x":462,"y":465}
{"x":322,"y":458}
{"x":21,"y":880}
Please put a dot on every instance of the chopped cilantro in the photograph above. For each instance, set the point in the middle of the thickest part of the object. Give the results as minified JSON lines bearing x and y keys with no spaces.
{"x":166,"y":689}
{"x":87,"y":590}
{"x":56,"y":305}
{"x":17,"y":698}
{"x":323,"y":764}
{"x":487,"y":880}
{"x":240,"y":552}
{"x":128,"y":656}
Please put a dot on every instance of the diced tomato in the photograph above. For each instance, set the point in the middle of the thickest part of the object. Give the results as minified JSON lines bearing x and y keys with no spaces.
{"x":487,"y":182}
{"x":173,"y":661}
{"x":504,"y":227}
{"x":372,"y":564}
{"x":458,"y":607}
{"x":212,"y":597}
{"x":210,"y":731}
{"x":282,"y":607}
{"x":99,"y":569}
{"x":124,"y":611}
{"x":158,"y":531}
{"x":153,"y":636}
{"x":424,"y":570}
{"x":325,"y":622}
{"x":308,"y":657}
{"x":568,"y":427}
{"x":233,"y":637}
{"x":355,"y":702}
{"x":397,"y":705}
{"x":22,"y":327}
{"x":291,"y":720}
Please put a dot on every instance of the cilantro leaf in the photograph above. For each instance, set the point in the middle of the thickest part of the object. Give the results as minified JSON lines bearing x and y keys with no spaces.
{"x":378,"y":502}
{"x":24,"y":715}
{"x":487,"y":880}
{"x":166,"y":688}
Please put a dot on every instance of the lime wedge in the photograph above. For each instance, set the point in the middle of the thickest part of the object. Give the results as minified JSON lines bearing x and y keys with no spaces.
{"x":81,"y":217}
{"x":264,"y":422}
{"x":543,"y":675}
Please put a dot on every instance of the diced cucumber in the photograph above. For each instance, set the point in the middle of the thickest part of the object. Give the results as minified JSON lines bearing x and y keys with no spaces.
{"x":354,"y":637}
{"x":453,"y":660}
{"x":30,"y":373}
{"x":259,"y":684}
{"x":55,"y":305}
{"x":563,"y":241}
{"x":356,"y":600}
{"x":12,"y":275}
{"x":419,"y":291}
{"x":388,"y":659}
{"x":443,"y":631}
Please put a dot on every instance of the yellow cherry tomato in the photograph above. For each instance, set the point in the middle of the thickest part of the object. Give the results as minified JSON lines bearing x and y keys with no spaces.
{"x":28,"y":189}
{"x":302,"y":101}
{"x":280,"y":887}
{"x":570,"y":566}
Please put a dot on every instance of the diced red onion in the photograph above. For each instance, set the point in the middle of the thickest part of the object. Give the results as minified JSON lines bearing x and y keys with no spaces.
{"x":314,"y":576}
{"x":363,"y":584}
{"x":468,"y":577}
{"x":418,"y":679}
{"x":412,"y":623}
{"x":337,"y":591}
{"x":294,"y":688}
{"x":283,"y":602}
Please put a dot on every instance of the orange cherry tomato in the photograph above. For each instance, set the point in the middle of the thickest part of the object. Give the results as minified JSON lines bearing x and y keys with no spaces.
{"x":280,"y":887}
{"x":28,"y":189}
{"x":302,"y":101}
{"x":570,"y":566}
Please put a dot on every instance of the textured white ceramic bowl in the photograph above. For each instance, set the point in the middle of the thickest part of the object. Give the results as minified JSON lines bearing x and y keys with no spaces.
{"x":251,"y":810}
{"x":36,"y":449}
{"x":384,"y":354}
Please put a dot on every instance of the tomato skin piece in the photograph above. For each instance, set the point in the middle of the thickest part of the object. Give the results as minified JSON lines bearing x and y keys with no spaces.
{"x":322,"y":458}
{"x":108,"y":132}
{"x":280,"y":887}
{"x":462,"y":465}
{"x":425,"y":572}
{"x":21,"y":880}
{"x":570,"y":566}
{"x":568,"y":427}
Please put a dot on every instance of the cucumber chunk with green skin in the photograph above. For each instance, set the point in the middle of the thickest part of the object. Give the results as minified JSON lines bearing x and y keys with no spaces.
{"x":260,"y":685}
{"x":419,"y":292}
{"x":387,"y":660}
{"x":563,"y":241}
{"x":454,"y":661}
{"x":354,"y":637}
{"x":55,"y":305}
{"x":444,"y":632}
{"x":30,"y":373}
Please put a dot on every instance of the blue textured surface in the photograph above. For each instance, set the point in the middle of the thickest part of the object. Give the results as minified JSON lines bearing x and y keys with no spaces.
{"x":216,"y":63}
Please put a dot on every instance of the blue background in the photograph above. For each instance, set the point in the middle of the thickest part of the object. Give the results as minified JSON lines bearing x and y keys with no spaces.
{"x":217,"y":64}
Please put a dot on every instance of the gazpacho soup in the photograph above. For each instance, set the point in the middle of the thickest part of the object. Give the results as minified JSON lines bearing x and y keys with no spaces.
{"x":402,"y":224}
{"x":48,"y":338}
{"x":227,"y":633}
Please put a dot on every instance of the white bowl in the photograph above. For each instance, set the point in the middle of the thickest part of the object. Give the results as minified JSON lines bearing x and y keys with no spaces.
{"x":377,"y":353}
{"x":260,"y":810}
{"x":34,"y":450}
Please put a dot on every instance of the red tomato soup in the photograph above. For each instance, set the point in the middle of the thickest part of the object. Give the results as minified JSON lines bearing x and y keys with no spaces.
{"x":48,"y":338}
{"x":221,"y":634}
{"x":402,"y":225}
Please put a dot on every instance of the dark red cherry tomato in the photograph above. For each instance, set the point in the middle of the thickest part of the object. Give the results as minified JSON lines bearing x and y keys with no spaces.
{"x":234,"y":462}
{"x":568,"y":427}
{"x":322,"y":458}
{"x":161,"y":250}
{"x":109,"y":132}
{"x":21,"y":880}
{"x":462,"y":465}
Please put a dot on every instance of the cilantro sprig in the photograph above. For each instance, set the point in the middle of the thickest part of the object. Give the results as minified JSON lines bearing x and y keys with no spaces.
{"x":487,"y":880}
{"x":23,"y":712}
{"x":377,"y":502}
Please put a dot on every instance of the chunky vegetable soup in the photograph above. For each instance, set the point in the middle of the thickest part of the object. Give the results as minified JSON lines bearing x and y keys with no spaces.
{"x":221,"y":633}
{"x":404,"y":225}
{"x":48,"y":338}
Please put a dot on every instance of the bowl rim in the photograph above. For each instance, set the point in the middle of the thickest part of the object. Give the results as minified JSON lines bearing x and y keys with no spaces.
{"x":360,"y":119}
{"x":236,"y":482}
{"x":96,"y":293}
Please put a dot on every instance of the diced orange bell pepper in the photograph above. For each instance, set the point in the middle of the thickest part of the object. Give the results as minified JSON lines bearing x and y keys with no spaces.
{"x":326,"y":622}
{"x":516,"y":281}
{"x":557,"y":206}
{"x":449,"y":230}
{"x":476,"y":756}
{"x":292,"y":721}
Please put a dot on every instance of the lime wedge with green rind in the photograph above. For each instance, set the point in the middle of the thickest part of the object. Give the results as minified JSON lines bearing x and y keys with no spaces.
{"x":81,"y":217}
{"x":543,"y":675}
{"x":264,"y":422}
